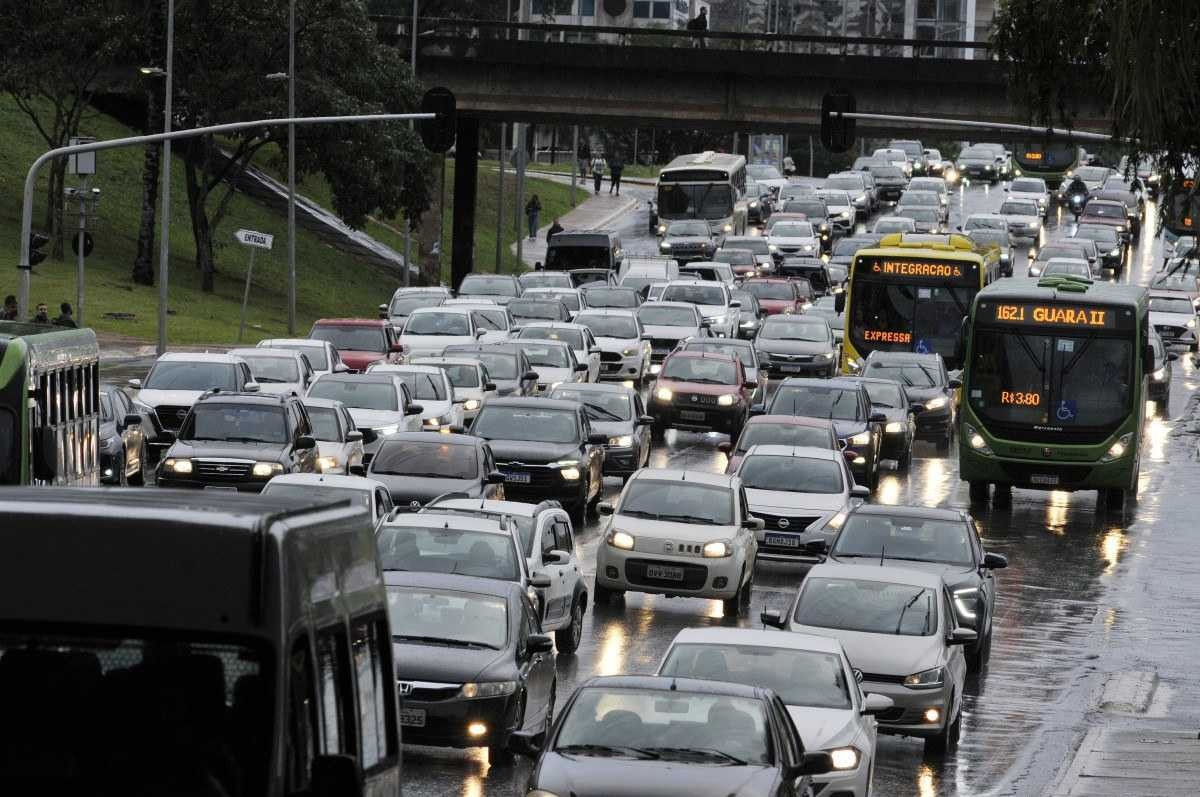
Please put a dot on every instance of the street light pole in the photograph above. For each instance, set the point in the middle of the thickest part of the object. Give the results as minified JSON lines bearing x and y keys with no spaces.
{"x":291,"y":168}
{"x":164,"y":250}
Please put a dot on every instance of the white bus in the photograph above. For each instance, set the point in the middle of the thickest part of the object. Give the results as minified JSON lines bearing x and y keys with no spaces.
{"x":707,"y":185}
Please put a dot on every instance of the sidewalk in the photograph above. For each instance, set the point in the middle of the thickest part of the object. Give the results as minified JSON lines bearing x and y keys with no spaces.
{"x":593,"y":213}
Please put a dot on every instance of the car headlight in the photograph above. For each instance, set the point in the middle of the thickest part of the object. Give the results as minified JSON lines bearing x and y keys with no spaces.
{"x":1191,"y":324}
{"x":754,"y":203}
{"x":655,"y":369}
{"x":894,"y":427}
{"x":964,"y":601}
{"x":541,"y":793}
{"x":471,"y":404}
{"x":384,"y":431}
{"x":717,"y":550}
{"x":140,"y":407}
{"x":620,"y":539}
{"x":976,"y":441}
{"x":837,"y":520}
{"x":664,"y":394}
{"x":748,"y":324}
{"x":180,"y":466}
{"x":1160,"y":374}
{"x":665,"y":245}
{"x":265,"y":470}
{"x":493,"y":689}
{"x":1035,"y":271}
{"x":1115,"y":252}
{"x":824,"y":356}
{"x":861,"y":198}
{"x":808,"y":247}
{"x":926,"y":679}
{"x":629,"y":352}
{"x":435,"y":423}
{"x":552,"y":386}
{"x":845,"y":758}
{"x":326,"y":463}
{"x":728,"y":228}
{"x":1117,"y":449}
{"x":623,"y":441}
{"x":935,"y":403}
{"x":845,"y":214}
{"x":727,"y":400}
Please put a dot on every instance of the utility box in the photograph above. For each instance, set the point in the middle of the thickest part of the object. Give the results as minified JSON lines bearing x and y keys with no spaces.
{"x":81,"y":163}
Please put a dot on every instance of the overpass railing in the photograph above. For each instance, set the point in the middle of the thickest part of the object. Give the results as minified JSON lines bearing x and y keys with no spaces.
{"x":449,"y":30}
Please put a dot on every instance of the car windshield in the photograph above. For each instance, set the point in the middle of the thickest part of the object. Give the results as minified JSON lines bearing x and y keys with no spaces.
{"x":909,"y":374}
{"x":1104,"y":210}
{"x":1072,"y":267}
{"x":432,"y":460}
{"x":499,"y":365}
{"x":919,"y":198}
{"x":990,"y":238}
{"x":1172,"y":304}
{"x":1105,"y":236}
{"x":814,"y":401}
{"x":200,"y":706}
{"x":1092,"y":174}
{"x":437,"y":324}
{"x":735,"y":257}
{"x":325,"y":425}
{"x":480,"y":285}
{"x":874,"y":536}
{"x":978,"y":152}
{"x":571,"y":337}
{"x":675,"y":726}
{"x":749,"y":303}
{"x":757,"y":244}
{"x":569,"y":298}
{"x":610,"y":326}
{"x":600,"y":405}
{"x":1027,"y":186}
{"x":687,"y":228}
{"x":917,"y":213}
{"x":533,"y":424}
{"x":743,"y":353}
{"x":799,"y":677}
{"x":848,"y":183}
{"x":763,"y":171}
{"x":273,"y":369}
{"x":667,"y":316}
{"x":361,"y":395}
{"x":538,"y":310}
{"x":546,"y":355}
{"x":611,"y":297}
{"x":695,"y":294}
{"x":808,"y":207}
{"x":784,"y":434}
{"x":791,"y":474}
{"x":873,"y":607}
{"x":770,"y":290}
{"x":461,"y":375}
{"x":886,"y":394}
{"x":316,"y":355}
{"x":191,"y":376}
{"x":1052,"y":251}
{"x":106,"y":410}
{"x":347,"y":338}
{"x":438,"y":549}
{"x":684,"y":502}
{"x":894,"y":225}
{"x":491,"y":320}
{"x":319,"y":493}
{"x":848,"y":246}
{"x":235,"y":423}
{"x":775,"y":328}
{"x":404,"y":305}
{"x":792,"y":229}
{"x":707,"y":370}
{"x":545,"y":279}
{"x":423,"y":385}
{"x":985,"y":223}
{"x":451,"y":618}
{"x":888,"y":172}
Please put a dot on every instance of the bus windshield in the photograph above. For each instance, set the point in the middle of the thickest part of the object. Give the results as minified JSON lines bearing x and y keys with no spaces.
{"x":899,"y":317}
{"x":695,"y":201}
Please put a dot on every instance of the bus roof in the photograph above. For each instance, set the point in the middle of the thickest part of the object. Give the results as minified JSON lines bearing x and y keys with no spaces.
{"x":50,"y":345}
{"x":707,"y":159}
{"x":1064,"y":289}
{"x":948,"y":247}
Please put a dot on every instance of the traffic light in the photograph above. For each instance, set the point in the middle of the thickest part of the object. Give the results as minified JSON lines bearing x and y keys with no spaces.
{"x":36,"y":242}
{"x":438,"y":133}
{"x":837,"y":133}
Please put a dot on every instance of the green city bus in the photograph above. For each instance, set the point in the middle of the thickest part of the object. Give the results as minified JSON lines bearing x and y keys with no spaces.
{"x":1054,"y":388}
{"x":49,"y":405}
{"x":1053,"y":161}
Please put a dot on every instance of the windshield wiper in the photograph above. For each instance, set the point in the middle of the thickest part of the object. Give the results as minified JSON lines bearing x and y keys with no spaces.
{"x":688,"y":519}
{"x":707,"y":752}
{"x":437,"y":640}
{"x":587,"y":749}
{"x":261,"y":379}
{"x":605,"y":413}
{"x":908,"y":606}
{"x":239,"y":439}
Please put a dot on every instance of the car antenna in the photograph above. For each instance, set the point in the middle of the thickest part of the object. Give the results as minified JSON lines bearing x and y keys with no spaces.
{"x":882,"y":550}
{"x":672,"y":684}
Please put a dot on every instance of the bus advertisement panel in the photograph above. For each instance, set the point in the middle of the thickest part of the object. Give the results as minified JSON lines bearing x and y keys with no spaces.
{"x":709,"y":186}
{"x":1054,"y":389}
{"x":1050,"y":160}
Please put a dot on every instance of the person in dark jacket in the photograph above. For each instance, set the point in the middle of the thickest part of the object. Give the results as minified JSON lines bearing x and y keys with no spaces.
{"x":699,"y":23}
{"x":532,"y":208}
{"x":554,"y":229}
{"x":65,"y":316}
{"x":615,"y":167}
{"x":9,"y":313}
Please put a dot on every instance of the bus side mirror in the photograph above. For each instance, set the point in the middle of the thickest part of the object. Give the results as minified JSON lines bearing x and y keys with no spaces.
{"x":45,"y":455}
{"x":839,"y":303}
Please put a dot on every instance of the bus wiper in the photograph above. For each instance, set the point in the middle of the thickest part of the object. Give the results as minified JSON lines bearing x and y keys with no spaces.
{"x":907,"y":606}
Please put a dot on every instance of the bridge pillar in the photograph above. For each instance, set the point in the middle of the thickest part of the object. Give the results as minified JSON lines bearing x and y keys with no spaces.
{"x":466,"y":174}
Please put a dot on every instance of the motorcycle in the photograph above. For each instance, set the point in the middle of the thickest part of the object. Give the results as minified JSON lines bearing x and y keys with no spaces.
{"x":1075,"y":203}
{"x":653,"y":217}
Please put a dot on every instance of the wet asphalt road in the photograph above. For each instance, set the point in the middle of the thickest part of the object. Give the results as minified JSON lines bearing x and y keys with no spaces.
{"x":1067,"y":558}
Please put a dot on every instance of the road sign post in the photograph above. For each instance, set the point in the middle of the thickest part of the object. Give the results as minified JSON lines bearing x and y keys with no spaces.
{"x":253,"y":241}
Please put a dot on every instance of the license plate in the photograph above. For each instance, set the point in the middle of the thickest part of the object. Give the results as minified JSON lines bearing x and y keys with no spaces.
{"x":220,"y":488}
{"x":793,"y":367}
{"x":1043,"y":478}
{"x":412,"y":717}
{"x":688,"y":415}
{"x":783,"y":541}
{"x":664,"y":572}
{"x":516,"y":478}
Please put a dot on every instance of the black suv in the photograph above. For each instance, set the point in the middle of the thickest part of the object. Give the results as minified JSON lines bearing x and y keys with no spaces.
{"x":239,"y":441}
{"x":546,"y":449}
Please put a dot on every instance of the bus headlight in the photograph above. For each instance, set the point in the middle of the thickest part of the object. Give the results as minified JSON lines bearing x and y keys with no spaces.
{"x":976,"y":441}
{"x":180,"y":466}
{"x":1118,"y":449}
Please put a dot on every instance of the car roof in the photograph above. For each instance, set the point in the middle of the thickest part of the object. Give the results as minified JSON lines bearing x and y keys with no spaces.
{"x":237,"y":397}
{"x":739,"y":343}
{"x":553,"y":290}
{"x":1159,"y":293}
{"x":553,"y":325}
{"x":491,"y":506}
{"x":534,"y":402}
{"x":356,"y":483}
{"x":843,"y":382}
{"x":453,"y":582}
{"x":198,"y":357}
{"x":435,"y":362}
{"x":309,"y":401}
{"x":351,"y":322}
{"x":904,"y":356}
{"x":446,"y":521}
{"x":696,"y":354}
{"x":681,"y":475}
{"x":803,"y":452}
{"x":265,"y":351}
{"x":681,"y":305}
{"x":886,"y":574}
{"x":405,"y":368}
{"x":790,"y":420}
{"x":667,"y":683}
{"x":621,"y":312}
{"x":270,"y":343}
{"x":765,"y":279}
{"x":597,"y":387}
{"x":433,"y":437}
{"x":377,"y":377}
{"x":456,"y":309}
{"x":541,"y":342}
{"x":910,"y":510}
{"x":757,"y":636}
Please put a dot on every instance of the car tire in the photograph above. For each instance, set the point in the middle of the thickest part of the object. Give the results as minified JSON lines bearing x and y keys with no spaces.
{"x":905,"y":462}
{"x":1164,"y":407}
{"x":139,"y":479}
{"x":979,"y":492}
{"x":947,"y":740}
{"x":122,"y":476}
{"x":739,"y":604}
{"x":603,"y":596}
{"x":567,"y":638}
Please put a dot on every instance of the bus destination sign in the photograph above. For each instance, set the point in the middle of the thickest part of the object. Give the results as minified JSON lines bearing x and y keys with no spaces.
{"x":918,"y":270}
{"x":1053,"y":315}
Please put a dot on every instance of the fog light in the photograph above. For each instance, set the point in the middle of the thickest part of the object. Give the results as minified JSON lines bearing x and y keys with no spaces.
{"x":476,"y":729}
{"x":720,"y":582}
{"x":611,"y":572}
{"x":932,"y":715}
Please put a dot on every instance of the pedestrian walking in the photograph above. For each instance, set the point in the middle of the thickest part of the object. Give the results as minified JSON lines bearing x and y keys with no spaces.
{"x":9,"y":313}
{"x":614,"y":170}
{"x":789,"y":165}
{"x":699,"y":23}
{"x":65,"y":316}
{"x":42,"y":315}
{"x":597,"y":173}
{"x":555,"y":228}
{"x":582,"y":156}
{"x":532,"y":208}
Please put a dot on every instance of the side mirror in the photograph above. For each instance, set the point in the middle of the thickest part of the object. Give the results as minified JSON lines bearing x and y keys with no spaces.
{"x":597,"y":438}
{"x":839,"y":303}
{"x":916,"y":408}
{"x":812,"y":764}
{"x":358,"y":470}
{"x":753,"y":523}
{"x":736,"y":303}
{"x":251,"y":387}
{"x":479,"y":333}
{"x":305,"y":443}
{"x":646,"y":420}
{"x":725,"y":448}
{"x":750,"y":385}
{"x":1172,"y":356}
{"x":705,"y":324}
{"x":876,"y":704}
{"x":354,"y":435}
{"x":527,"y":743}
{"x":539,"y":580}
{"x":817,"y":547}
{"x":878,"y":417}
{"x":495,"y":477}
{"x":962,"y":636}
{"x":336,"y":776}
{"x":45,"y":455}
{"x":368,"y":435}
{"x":580,"y":367}
{"x":131,"y":420}
{"x":605,"y":508}
{"x":758,"y":409}
{"x":530,"y":376}
{"x":644,"y":337}
{"x":772,"y":618}
{"x":341,"y":368}
{"x":860,"y":491}
{"x":594,"y":350}
{"x":955,"y":384}
{"x":489,"y":387}
{"x":995,"y":561}
{"x":413,"y":409}
{"x":396,"y":348}
{"x":135,"y":383}
{"x":1147,"y":358}
{"x":850,"y":454}
{"x":539,"y":643}
{"x":556,"y":557}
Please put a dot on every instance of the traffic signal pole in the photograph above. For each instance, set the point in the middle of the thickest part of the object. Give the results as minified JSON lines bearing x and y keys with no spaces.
{"x":23,"y":263}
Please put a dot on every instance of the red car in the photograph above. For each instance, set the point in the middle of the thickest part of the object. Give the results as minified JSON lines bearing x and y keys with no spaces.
{"x":785,"y":430}
{"x":701,"y":392}
{"x":360,"y":341}
{"x":776,"y":294}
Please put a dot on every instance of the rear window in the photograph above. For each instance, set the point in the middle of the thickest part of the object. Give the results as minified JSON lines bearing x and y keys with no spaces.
{"x":448,"y":550}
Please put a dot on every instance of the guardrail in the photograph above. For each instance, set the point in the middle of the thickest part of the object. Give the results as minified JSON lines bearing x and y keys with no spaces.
{"x":454,"y":29}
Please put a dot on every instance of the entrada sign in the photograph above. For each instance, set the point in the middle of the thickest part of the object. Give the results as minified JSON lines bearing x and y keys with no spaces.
{"x":261,"y":240}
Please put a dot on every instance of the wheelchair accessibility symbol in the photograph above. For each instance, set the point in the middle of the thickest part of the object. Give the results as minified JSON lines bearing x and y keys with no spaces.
{"x":923,"y":347}
{"x":1065,"y":410}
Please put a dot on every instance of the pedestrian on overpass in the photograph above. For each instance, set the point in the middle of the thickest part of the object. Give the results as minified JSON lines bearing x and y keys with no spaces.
{"x":614,"y":171}
{"x":532,"y":208}
{"x":65,"y":316}
{"x":597,"y":173}
{"x":555,"y":228}
{"x":42,"y":314}
{"x":699,"y":23}
{"x":9,"y":313}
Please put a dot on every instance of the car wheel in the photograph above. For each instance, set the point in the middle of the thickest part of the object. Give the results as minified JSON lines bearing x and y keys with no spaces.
{"x":657,"y":432}
{"x":498,"y":754}
{"x":140,"y":478}
{"x":603,"y":596}
{"x":567,"y":638}
{"x":739,"y":604}
{"x":905,"y":462}
{"x":947,"y":740}
{"x":979,"y":492}
{"x":122,"y":472}
{"x":550,"y":705}
{"x":1164,"y":407}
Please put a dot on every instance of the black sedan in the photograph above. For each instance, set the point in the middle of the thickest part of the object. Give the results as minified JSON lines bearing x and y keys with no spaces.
{"x":944,"y":541}
{"x":123,"y":452}
{"x":416,"y":467}
{"x":900,"y":429}
{"x":470,"y":671}
{"x":1160,"y":378}
{"x":928,"y":384}
{"x":656,"y":736}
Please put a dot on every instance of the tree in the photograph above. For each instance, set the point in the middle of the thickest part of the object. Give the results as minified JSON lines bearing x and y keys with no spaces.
{"x":225,"y":49}
{"x":53,"y":58}
{"x":151,"y":43}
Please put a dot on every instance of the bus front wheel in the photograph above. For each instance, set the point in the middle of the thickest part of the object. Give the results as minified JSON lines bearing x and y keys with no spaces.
{"x":979,"y":492}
